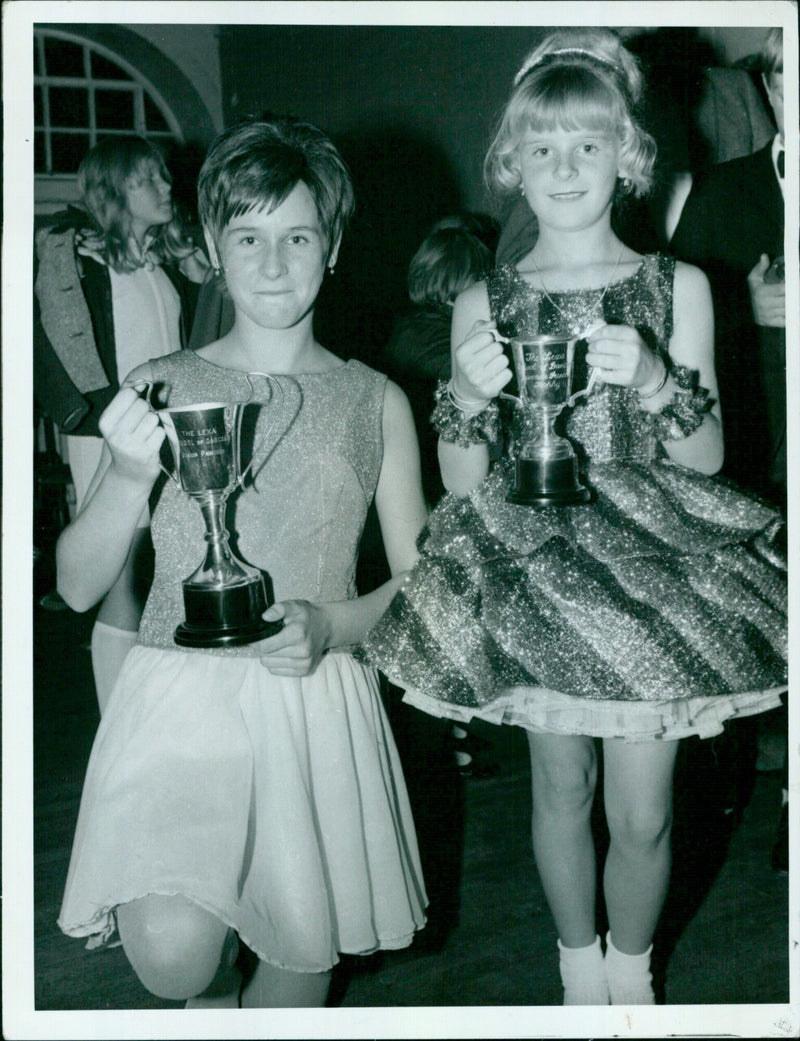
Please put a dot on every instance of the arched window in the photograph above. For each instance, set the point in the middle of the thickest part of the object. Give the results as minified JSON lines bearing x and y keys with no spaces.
{"x":83,"y":92}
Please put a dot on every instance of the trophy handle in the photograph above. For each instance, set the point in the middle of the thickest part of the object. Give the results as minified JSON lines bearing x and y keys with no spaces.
{"x":276,"y":384}
{"x":593,"y":372}
{"x":147,"y":386}
{"x":587,"y":390}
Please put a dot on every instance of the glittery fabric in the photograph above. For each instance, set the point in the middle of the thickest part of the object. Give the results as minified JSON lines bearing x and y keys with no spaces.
{"x":462,"y":428}
{"x":687,"y":409}
{"x":663,"y":596}
{"x":300,"y":517}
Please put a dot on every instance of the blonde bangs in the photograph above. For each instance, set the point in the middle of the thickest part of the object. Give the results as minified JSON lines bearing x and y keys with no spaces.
{"x":568,"y":99}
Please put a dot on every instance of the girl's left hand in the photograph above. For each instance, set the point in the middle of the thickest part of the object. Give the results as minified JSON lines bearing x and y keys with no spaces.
{"x":298,"y":648}
{"x":622,"y":357}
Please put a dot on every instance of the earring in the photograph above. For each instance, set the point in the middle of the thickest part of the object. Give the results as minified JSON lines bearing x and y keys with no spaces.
{"x":626,"y":183}
{"x":522,"y":189}
{"x":331,"y":268}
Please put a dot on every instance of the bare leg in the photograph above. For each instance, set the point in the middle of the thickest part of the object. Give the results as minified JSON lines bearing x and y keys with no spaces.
{"x":119,"y":617}
{"x":174,"y":945}
{"x":638,"y":799}
{"x":564,"y":774}
{"x":271,"y":987}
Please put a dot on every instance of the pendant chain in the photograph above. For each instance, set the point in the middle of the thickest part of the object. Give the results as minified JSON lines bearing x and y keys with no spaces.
{"x":597,"y":303}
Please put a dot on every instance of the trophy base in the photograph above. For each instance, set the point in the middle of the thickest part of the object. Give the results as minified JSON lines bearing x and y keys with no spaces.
{"x":228,"y":617}
{"x":552,"y":482}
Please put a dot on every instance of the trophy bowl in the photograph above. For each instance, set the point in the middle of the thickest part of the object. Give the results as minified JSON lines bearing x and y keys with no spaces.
{"x":546,"y":468}
{"x":225,"y":597}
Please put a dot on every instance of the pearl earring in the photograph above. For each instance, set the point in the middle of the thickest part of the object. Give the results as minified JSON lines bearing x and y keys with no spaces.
{"x":331,"y":268}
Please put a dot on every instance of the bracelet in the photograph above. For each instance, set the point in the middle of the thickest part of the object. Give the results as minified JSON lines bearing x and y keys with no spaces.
{"x":659,"y":386}
{"x":686,"y":409}
{"x":455,"y":425}
{"x":470,"y":407}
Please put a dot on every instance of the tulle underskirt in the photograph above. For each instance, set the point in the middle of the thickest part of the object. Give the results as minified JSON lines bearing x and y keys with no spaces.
{"x":547,"y":711}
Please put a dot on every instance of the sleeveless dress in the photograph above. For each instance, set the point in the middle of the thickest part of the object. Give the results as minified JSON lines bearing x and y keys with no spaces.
{"x":655,"y":611}
{"x":276,"y":803}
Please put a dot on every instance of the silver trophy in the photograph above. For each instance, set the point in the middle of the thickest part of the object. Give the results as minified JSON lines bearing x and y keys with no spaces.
{"x":546,"y":469}
{"x":224,"y":598}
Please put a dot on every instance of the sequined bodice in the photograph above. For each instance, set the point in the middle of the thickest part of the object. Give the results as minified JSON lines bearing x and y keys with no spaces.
{"x":608,"y":425}
{"x":317,"y":461}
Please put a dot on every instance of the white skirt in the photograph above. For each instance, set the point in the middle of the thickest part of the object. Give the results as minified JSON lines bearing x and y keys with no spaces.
{"x":278,"y":804}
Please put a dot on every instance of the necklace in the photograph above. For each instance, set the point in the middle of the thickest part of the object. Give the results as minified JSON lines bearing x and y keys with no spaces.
{"x":573,"y":321}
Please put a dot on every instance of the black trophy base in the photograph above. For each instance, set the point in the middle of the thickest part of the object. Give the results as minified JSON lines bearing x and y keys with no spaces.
{"x":551,"y":482}
{"x":227,"y":617}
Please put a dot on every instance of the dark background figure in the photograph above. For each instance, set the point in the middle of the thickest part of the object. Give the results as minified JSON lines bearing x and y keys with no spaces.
{"x":732,"y":225}
{"x":458,"y":251}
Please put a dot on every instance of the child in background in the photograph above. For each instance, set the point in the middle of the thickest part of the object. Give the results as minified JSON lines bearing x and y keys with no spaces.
{"x":456,"y":253}
{"x":116,"y":284}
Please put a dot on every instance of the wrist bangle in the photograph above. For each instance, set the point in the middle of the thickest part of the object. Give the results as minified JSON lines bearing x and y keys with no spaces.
{"x":659,"y":386}
{"x":472,"y":408}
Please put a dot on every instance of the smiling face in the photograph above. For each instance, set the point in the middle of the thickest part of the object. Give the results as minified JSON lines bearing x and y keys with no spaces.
{"x":148,"y":198}
{"x":569,"y":176}
{"x":274,"y":262}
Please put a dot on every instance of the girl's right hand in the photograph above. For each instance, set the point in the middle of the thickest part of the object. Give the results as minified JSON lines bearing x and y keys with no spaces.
{"x":480,"y":366}
{"x":134,"y":437}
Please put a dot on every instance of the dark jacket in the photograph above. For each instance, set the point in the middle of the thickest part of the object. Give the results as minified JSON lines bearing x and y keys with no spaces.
{"x":75,"y":411}
{"x":733,"y":214}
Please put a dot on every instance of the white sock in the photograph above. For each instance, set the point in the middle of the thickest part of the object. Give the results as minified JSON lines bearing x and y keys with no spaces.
{"x":630,"y":981}
{"x":110,"y":648}
{"x":583,"y":974}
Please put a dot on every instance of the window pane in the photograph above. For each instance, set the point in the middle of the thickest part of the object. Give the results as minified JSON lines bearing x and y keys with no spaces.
{"x":37,"y":65}
{"x":38,"y":107}
{"x":114,"y":109}
{"x":39,"y":164}
{"x":103,"y":69}
{"x":63,"y":58}
{"x":68,"y":150}
{"x":69,"y":107}
{"x":152,"y":115}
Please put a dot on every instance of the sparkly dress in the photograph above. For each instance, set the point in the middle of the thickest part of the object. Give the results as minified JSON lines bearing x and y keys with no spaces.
{"x":657,"y":610}
{"x":277,"y":803}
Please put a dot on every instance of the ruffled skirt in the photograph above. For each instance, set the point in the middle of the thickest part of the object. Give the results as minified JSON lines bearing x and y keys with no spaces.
{"x":657,"y":611}
{"x":278,"y":804}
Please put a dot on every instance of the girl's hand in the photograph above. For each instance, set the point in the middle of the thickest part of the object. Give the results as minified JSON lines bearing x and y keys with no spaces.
{"x":298,"y":648}
{"x":622,"y":357}
{"x":134,"y":436}
{"x":480,"y":367}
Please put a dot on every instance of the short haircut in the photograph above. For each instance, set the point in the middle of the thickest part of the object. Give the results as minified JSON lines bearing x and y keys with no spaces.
{"x":255,"y":166}
{"x":448,"y":261}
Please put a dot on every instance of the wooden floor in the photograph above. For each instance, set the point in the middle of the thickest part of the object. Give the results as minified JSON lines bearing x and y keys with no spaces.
{"x":491,"y":942}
